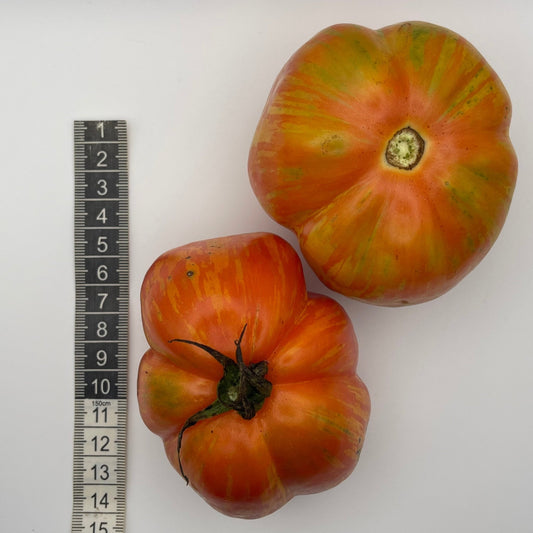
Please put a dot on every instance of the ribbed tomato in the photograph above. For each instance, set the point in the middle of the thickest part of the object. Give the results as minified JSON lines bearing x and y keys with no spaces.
{"x":387,"y":153}
{"x":249,"y":380}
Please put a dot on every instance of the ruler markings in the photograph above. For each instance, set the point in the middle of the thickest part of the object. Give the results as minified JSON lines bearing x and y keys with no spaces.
{"x":101,"y":333}
{"x":100,"y":142}
{"x":103,"y":170}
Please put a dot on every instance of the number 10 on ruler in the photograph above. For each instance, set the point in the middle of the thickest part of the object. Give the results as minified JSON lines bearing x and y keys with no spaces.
{"x":101,"y":336}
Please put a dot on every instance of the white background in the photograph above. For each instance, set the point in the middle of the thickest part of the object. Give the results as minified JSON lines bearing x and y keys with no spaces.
{"x":449,"y":445}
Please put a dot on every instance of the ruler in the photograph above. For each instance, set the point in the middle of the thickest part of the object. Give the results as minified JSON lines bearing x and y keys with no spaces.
{"x":101,"y":258}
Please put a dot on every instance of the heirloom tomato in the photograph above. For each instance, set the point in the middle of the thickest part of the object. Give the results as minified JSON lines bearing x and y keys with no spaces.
{"x":249,"y":380}
{"x":387,"y":153}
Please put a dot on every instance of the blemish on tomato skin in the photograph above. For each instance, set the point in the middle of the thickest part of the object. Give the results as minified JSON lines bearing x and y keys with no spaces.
{"x":332,"y":145}
{"x":158,"y":312}
{"x":292,"y":173}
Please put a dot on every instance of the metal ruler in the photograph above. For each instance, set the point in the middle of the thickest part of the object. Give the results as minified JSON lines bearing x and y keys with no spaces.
{"x":101,"y":257}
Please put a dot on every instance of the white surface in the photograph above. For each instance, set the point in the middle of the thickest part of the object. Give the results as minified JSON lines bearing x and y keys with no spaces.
{"x":449,"y":442}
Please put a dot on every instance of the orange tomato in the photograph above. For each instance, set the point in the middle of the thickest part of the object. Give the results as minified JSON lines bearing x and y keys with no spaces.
{"x":387,"y":153}
{"x":249,"y":380}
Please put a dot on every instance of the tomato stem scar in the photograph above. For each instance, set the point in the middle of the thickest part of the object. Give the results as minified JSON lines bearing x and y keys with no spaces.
{"x":405,"y":149}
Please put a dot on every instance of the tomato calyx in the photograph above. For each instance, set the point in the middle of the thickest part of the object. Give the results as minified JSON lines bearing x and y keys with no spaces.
{"x":405,"y":149}
{"x":242,"y":388}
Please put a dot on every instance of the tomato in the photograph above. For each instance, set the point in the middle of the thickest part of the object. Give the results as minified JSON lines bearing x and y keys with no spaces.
{"x":249,"y":380}
{"x":387,"y":153}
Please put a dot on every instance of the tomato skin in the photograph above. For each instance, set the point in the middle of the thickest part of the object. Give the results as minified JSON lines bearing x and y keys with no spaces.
{"x":372,"y":231}
{"x":309,"y":432}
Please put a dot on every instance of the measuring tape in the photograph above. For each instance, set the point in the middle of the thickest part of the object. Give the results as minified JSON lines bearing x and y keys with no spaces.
{"x":101,"y":328}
